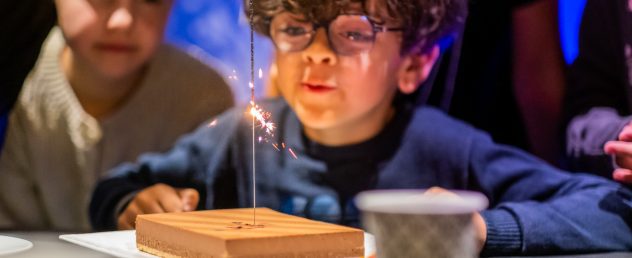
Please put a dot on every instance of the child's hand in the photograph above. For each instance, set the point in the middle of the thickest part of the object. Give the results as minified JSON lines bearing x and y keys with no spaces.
{"x":158,"y":198}
{"x":622,"y":150}
{"x":479,"y":223}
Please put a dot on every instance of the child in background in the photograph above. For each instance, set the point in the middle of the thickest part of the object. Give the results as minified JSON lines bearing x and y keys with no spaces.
{"x":104,"y":90}
{"x":599,"y":100}
{"x":344,"y":70}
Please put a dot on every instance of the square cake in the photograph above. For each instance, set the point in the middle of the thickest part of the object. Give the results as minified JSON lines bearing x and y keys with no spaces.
{"x":230,"y":233}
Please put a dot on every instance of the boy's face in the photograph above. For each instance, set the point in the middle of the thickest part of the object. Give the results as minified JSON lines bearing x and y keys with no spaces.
{"x":113,"y":37}
{"x":343,"y":99}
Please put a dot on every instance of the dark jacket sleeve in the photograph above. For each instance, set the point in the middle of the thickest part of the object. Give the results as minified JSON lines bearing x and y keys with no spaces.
{"x":597,"y":81}
{"x":538,"y":209}
{"x":192,"y":162}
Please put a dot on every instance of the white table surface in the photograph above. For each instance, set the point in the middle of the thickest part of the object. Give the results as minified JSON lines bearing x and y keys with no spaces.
{"x":48,"y":244}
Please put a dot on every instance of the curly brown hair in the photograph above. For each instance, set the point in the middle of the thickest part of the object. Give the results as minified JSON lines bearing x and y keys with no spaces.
{"x":424,"y":21}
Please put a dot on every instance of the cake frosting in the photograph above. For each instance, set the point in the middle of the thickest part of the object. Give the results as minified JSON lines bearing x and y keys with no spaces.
{"x":230,"y":233}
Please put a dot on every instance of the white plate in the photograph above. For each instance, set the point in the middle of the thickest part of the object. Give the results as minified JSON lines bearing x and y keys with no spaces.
{"x":11,"y":245}
{"x":123,"y":243}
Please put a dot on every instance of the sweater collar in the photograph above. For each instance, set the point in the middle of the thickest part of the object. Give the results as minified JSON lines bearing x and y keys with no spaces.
{"x":380,"y":147}
{"x":60,"y":93}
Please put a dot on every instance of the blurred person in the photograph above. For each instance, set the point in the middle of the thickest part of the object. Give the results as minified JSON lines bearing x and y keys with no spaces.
{"x":599,"y":99}
{"x":104,"y":90}
{"x":506,"y":75}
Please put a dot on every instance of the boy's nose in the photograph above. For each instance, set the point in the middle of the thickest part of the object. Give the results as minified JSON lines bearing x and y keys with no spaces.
{"x":319,"y":51}
{"x":121,"y":19}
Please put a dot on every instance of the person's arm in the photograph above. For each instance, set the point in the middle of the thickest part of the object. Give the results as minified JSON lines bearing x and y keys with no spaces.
{"x":537,"y":209}
{"x":538,"y":75}
{"x":596,"y":101}
{"x":185,"y":165}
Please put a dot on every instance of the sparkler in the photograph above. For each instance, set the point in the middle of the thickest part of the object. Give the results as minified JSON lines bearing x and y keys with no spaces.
{"x":262,"y":117}
{"x":253,"y":107}
{"x":258,"y":115}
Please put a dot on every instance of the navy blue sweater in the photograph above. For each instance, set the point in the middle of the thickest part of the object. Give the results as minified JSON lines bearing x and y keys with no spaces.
{"x":535,"y":208}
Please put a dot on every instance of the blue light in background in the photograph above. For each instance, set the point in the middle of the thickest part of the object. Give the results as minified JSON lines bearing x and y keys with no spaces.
{"x":217,"y":32}
{"x":570,"y":13}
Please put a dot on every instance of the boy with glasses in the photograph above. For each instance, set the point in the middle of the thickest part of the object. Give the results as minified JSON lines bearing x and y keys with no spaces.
{"x":345,"y":124}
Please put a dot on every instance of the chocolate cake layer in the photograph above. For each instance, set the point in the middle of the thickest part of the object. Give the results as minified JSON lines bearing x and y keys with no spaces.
{"x":230,"y":233}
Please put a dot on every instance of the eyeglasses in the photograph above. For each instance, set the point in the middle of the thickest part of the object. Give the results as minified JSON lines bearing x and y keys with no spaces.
{"x":348,"y":34}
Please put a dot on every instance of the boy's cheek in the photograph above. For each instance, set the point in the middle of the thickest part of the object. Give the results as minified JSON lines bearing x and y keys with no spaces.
{"x":360,"y":65}
{"x":286,"y":79}
{"x":289,"y":70}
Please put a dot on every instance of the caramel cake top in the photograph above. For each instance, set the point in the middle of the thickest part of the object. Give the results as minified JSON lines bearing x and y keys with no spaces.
{"x":237,"y":223}
{"x":229,"y":233}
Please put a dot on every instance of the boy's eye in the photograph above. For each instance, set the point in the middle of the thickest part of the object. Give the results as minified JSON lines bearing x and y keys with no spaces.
{"x":357,"y":36}
{"x":294,"y":31}
{"x":352,"y":28}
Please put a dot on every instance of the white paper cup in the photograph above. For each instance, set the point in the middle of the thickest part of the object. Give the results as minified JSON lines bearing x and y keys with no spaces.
{"x":407,"y":223}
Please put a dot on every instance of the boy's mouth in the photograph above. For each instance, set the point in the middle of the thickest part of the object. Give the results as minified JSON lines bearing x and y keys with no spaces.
{"x":317,"y":87}
{"x":116,"y":47}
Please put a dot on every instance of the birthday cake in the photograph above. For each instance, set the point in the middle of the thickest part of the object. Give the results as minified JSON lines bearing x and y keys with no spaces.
{"x":231,"y":233}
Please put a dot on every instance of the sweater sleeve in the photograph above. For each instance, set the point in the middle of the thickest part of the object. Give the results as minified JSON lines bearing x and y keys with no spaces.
{"x":192,"y":162}
{"x":20,"y":204}
{"x":538,"y":209}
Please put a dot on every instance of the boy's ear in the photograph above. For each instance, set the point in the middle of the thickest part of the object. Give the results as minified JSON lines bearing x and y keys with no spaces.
{"x":415,"y":69}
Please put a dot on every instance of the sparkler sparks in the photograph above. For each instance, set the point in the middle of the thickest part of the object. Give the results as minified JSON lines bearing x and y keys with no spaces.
{"x":262,"y":117}
{"x":262,"y":120}
{"x":282,"y":147}
{"x":292,"y":153}
{"x":233,"y":76}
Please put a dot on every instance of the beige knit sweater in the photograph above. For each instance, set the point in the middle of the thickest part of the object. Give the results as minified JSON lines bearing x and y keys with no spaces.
{"x":55,"y":152}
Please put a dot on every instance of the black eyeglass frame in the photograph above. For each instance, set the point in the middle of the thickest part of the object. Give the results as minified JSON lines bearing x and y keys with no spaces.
{"x":376,"y":28}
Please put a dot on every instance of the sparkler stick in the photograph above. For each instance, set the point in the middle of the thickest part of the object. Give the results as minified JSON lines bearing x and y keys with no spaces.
{"x":258,"y":115}
{"x":252,"y":103}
